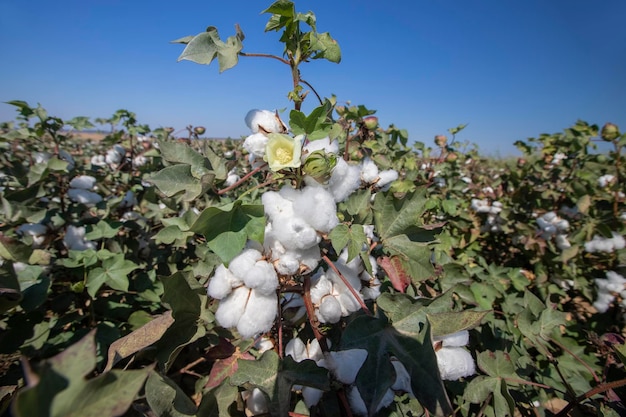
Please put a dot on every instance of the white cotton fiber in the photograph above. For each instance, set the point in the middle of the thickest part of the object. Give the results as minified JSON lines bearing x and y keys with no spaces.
{"x":455,"y":363}
{"x":276,"y":206}
{"x":369,"y":170}
{"x":371,"y":291}
{"x":255,"y":144}
{"x":329,"y":310}
{"x":287,"y":263}
{"x":264,"y":121}
{"x":232,"y":307}
{"x":296,"y":349}
{"x":262,"y":277}
{"x":311,"y":396}
{"x":83,"y":196}
{"x":259,"y":314}
{"x":294,"y":232}
{"x":222,"y":283}
{"x":83,"y":182}
{"x":357,"y":405}
{"x":310,"y":258}
{"x":244,"y":262}
{"x":321,"y":144}
{"x":320,"y":287}
{"x":317,"y":206}
{"x":345,"y":364}
{"x":386,"y":177}
{"x":344,"y":180}
{"x":403,"y":379}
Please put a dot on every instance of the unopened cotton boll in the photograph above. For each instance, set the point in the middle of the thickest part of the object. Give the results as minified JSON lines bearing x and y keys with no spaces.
{"x":455,"y":363}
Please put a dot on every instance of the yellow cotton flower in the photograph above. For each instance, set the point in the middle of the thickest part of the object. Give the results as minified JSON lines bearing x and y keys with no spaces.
{"x":283,"y":151}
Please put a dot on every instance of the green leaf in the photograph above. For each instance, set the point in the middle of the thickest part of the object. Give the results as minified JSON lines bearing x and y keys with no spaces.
{"x":352,"y":237}
{"x":217,"y":402}
{"x":275,"y":378}
{"x":13,"y":250}
{"x":315,"y":126}
{"x":103,"y":230}
{"x":206,"y":46}
{"x":496,"y":364}
{"x":166,"y":398}
{"x":10,"y":294}
{"x":409,"y":340}
{"x":178,"y":179}
{"x":227,"y":229}
{"x":325,"y":47}
{"x":448,"y":323}
{"x":114,"y":273}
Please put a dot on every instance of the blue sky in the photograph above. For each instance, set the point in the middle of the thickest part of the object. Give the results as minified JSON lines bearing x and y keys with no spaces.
{"x":510,"y":69}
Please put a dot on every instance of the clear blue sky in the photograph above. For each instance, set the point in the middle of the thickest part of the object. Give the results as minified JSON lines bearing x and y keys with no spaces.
{"x":511,"y":69}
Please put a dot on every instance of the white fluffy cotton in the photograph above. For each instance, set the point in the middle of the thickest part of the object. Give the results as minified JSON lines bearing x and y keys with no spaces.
{"x":345,"y":364}
{"x":264,"y":121}
{"x":607,"y":290}
{"x":83,"y":196}
{"x":603,"y":244}
{"x":74,"y":239}
{"x":255,"y":144}
{"x":83,"y":182}
{"x":323,"y":144}
{"x":318,"y":207}
{"x":344,"y":180}
{"x":455,"y":363}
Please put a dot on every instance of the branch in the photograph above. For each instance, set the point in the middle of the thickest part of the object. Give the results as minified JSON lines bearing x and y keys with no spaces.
{"x":283,"y":60}
{"x":345,"y":281}
{"x":242,"y":180}
{"x":597,"y":390}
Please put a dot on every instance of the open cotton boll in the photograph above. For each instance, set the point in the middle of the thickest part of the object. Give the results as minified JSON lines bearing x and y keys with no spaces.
{"x":78,"y":195}
{"x":264,"y":121}
{"x":344,"y":180}
{"x":403,"y":379}
{"x":317,"y":206}
{"x":455,"y":339}
{"x":455,"y":363}
{"x":323,"y":144}
{"x":255,"y":144}
{"x":244,"y":262}
{"x":222,"y":283}
{"x":74,"y":239}
{"x":83,"y":182}
{"x":256,"y":402}
{"x":259,"y":314}
{"x":287,"y":264}
{"x":385,"y":178}
{"x":262,"y":277}
{"x":562,"y":242}
{"x":294,"y":232}
{"x":344,"y":364}
{"x":369,"y":170}
{"x":320,"y":287}
{"x":276,"y":206}
{"x":371,"y":291}
{"x":310,"y":257}
{"x":296,"y":349}
{"x":232,"y":307}
{"x":329,"y":310}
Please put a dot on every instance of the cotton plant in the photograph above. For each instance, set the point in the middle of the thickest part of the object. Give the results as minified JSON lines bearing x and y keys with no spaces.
{"x":113,"y":157}
{"x":453,"y":360}
{"x":608,"y":289}
{"x":551,"y":226}
{"x":493,"y":222}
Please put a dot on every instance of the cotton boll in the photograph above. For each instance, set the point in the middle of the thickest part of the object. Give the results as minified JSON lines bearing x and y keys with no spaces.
{"x":296,"y":349}
{"x":222,"y":283}
{"x":310,"y":258}
{"x":321,"y":144}
{"x":84,"y":196}
{"x":276,"y":206}
{"x":320,"y":287}
{"x":371,"y":291}
{"x":255,"y":144}
{"x":403,"y":379}
{"x":613,"y":276}
{"x":317,"y":206}
{"x":262,"y":277}
{"x":345,"y":364}
{"x":455,"y":339}
{"x":329,"y":310}
{"x":357,"y":405}
{"x":455,"y":363}
{"x":618,"y":241}
{"x":287,"y":264}
{"x":264,"y":344}
{"x":386,"y":177}
{"x":311,"y":396}
{"x":369,"y":170}
{"x":295,"y":232}
{"x":256,"y":402}
{"x":83,"y":182}
{"x":264,"y":121}
{"x":232,"y":307}
{"x":244,"y":262}
{"x":603,"y":302}
{"x":562,"y":242}
{"x":74,"y":239}
{"x":259,"y":314}
{"x":344,"y":180}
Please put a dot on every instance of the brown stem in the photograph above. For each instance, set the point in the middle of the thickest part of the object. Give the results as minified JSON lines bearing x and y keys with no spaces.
{"x":312,"y":89}
{"x":310,"y":312}
{"x":583,"y":363}
{"x":280,"y":330}
{"x":618,"y":149}
{"x":347,"y":284}
{"x":597,"y":390}
{"x":242,"y":180}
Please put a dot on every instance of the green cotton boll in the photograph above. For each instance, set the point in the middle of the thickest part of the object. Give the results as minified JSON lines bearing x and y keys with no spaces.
{"x":319,"y":165}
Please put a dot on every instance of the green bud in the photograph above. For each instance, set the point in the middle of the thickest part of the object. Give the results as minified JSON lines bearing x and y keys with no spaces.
{"x":370,"y":122}
{"x":199,"y":130}
{"x":319,"y":165}
{"x":441,"y":140}
{"x":610,"y":132}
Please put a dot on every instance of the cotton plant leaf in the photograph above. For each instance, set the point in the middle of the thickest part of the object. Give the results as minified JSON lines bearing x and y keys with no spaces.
{"x":166,"y":398}
{"x":206,"y":46}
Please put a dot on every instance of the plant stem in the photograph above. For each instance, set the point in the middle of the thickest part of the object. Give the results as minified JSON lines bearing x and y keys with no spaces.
{"x":347,"y":284}
{"x":283,"y":60}
{"x":310,"y":312}
{"x":597,"y":390}
{"x":242,"y":180}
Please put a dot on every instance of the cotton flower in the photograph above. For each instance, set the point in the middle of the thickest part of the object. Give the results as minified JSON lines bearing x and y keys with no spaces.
{"x":283,"y":151}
